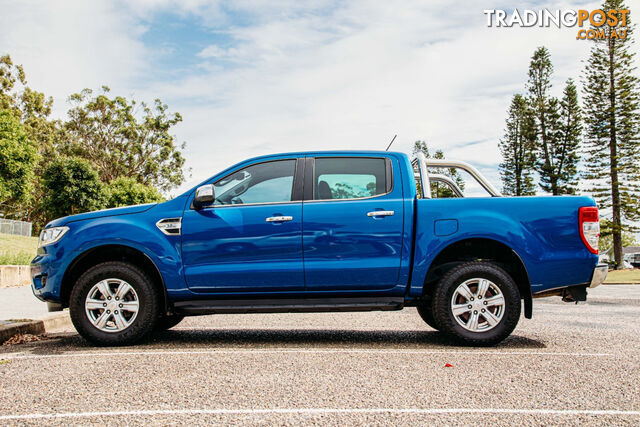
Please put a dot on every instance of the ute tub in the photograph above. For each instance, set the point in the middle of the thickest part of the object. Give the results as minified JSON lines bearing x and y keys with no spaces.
{"x":542,"y":231}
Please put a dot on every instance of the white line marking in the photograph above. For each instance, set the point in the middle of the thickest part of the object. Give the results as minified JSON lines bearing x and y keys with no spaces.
{"x":303,"y":411}
{"x":281,"y":329}
{"x":227,"y":351}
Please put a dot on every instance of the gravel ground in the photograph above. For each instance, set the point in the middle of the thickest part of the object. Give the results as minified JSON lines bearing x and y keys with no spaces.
{"x":570,"y":364}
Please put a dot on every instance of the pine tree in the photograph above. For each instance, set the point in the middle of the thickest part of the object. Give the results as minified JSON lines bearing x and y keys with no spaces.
{"x":439,"y":190}
{"x":612,"y":117}
{"x":552,"y":153}
{"x":545,"y":110}
{"x":518,"y":150}
{"x":569,"y":138}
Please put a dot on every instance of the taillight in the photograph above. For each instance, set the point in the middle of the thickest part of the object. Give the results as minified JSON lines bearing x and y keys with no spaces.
{"x":589,"y":225}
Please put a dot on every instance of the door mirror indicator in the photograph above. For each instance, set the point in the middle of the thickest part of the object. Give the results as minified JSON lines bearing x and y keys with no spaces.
{"x":205,"y":195}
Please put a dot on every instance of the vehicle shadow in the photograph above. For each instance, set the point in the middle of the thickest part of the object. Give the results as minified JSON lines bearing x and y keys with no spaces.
{"x":262,"y":339}
{"x":353,"y":339}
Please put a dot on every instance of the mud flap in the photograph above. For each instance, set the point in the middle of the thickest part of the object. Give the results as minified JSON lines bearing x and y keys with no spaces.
{"x":574,"y":294}
{"x":528,"y":305}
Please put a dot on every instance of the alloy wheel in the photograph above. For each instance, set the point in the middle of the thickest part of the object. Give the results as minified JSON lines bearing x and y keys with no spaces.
{"x":478,"y":305}
{"x":112,"y":305}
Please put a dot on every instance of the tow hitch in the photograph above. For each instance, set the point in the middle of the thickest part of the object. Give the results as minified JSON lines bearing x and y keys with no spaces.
{"x":574,"y":294}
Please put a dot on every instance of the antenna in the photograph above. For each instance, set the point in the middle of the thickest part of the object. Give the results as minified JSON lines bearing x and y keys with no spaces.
{"x":392,"y":139}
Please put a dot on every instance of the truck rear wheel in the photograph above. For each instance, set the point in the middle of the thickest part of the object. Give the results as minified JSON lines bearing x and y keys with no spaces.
{"x":477,"y":303}
{"x":114,"y":303}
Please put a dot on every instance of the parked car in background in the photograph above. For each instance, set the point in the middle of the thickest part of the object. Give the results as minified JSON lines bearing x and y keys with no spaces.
{"x":633,"y":258}
{"x":321,"y":231}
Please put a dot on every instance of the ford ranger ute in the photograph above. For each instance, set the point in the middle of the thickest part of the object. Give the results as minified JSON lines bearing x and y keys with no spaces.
{"x":321,"y":231}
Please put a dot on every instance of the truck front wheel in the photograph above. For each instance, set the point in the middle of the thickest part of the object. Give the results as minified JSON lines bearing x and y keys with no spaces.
{"x":424,"y":310}
{"x":168,"y":321}
{"x":477,"y":303}
{"x":114,"y":303}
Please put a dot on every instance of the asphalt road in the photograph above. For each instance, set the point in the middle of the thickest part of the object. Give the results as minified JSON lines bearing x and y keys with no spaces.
{"x":570,"y":364}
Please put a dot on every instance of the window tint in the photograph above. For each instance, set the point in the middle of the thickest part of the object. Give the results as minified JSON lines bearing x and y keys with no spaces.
{"x":269,"y":182}
{"x":348,"y":178}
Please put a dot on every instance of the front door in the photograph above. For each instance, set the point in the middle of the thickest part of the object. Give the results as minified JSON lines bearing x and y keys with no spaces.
{"x":250,"y":239}
{"x":353,"y":224}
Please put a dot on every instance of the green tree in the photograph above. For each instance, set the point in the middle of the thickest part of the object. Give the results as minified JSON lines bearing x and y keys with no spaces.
{"x":569,"y":139}
{"x":125,"y":191}
{"x":125,"y":138}
{"x":555,"y":176}
{"x":518,"y":150}
{"x":612,"y":118}
{"x":437,"y":189}
{"x":71,"y":186}
{"x":18,"y":156}
{"x":606,"y":237}
{"x":10,"y":76}
{"x":33,"y":109}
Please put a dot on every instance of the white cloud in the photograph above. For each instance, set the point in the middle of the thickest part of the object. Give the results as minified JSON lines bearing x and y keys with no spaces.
{"x":303,"y":75}
{"x":212,"y":51}
{"x":355,"y":78}
{"x":215,"y":51}
{"x":72,"y":45}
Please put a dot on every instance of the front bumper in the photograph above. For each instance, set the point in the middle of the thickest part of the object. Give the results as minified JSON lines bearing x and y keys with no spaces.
{"x":46,"y":276}
{"x":599,"y":274}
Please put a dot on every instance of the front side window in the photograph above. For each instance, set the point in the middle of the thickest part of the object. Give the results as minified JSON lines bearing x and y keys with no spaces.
{"x":269,"y":182}
{"x":348,"y":178}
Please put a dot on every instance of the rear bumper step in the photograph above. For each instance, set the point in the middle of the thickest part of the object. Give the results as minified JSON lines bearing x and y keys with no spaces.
{"x":599,"y":274}
{"x":287,"y":305}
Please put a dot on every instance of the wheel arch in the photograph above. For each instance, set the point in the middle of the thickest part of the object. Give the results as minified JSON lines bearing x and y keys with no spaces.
{"x":111,"y":252}
{"x":481,"y":249}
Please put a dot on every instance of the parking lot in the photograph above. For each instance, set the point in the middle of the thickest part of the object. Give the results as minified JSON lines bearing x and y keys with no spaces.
{"x":569,"y":364}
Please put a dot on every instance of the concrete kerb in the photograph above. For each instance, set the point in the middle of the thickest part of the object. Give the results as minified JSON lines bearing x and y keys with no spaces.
{"x":14,"y":275}
{"x":48,"y":323}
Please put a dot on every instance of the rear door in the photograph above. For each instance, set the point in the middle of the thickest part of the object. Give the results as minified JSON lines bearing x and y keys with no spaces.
{"x":352,"y":223}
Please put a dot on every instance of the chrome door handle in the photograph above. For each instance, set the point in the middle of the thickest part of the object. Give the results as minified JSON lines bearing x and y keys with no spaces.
{"x":381,"y":213}
{"x":279,"y":218}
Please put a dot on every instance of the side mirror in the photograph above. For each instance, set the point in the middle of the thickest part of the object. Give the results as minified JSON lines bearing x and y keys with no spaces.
{"x":205,"y":195}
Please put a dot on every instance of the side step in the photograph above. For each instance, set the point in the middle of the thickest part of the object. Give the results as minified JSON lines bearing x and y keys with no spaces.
{"x":311,"y":305}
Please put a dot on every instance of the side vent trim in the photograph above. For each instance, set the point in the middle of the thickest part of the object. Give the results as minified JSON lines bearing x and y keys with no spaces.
{"x":170,"y":226}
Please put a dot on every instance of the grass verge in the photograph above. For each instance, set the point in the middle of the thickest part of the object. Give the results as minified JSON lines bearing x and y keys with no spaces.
{"x":624,"y":276}
{"x":17,"y":250}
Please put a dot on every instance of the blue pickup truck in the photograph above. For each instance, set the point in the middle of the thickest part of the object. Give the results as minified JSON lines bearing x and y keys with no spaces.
{"x":321,"y":231}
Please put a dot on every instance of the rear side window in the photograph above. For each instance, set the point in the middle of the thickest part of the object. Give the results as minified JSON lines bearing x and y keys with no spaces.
{"x":349,"y":178}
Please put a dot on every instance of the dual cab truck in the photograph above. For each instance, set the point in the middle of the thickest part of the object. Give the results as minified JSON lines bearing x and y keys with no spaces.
{"x":320,"y":231}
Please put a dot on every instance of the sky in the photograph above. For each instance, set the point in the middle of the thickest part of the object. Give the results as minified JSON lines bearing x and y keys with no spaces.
{"x":254,"y":77}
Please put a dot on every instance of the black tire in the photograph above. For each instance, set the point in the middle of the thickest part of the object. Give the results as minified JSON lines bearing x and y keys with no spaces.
{"x":167,"y":322}
{"x":442,"y":310}
{"x":424,"y":310}
{"x":148,"y":298}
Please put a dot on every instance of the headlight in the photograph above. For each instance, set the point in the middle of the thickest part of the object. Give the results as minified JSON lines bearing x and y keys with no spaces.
{"x":51,"y":235}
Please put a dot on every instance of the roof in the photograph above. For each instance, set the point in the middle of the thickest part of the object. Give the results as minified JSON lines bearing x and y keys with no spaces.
{"x":631,"y":250}
{"x":327,"y":152}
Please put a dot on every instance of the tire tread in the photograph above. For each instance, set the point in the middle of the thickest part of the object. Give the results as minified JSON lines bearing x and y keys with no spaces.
{"x":144,"y":323}
{"x":441,"y":305}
